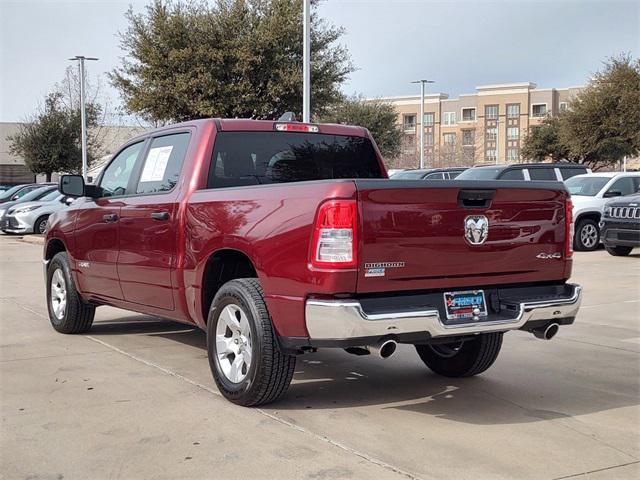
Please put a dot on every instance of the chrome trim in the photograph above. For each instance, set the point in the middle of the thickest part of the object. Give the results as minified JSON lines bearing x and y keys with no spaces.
{"x":345,"y":319}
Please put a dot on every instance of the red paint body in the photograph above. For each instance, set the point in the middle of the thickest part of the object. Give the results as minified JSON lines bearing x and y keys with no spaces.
{"x":157,"y":268}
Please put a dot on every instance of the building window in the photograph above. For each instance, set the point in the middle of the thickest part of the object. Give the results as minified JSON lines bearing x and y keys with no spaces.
{"x":409,"y":121}
{"x":449,"y":118}
{"x":491,"y":155}
{"x":491,"y":112}
{"x":513,"y":110}
{"x":492,"y":133}
{"x":428,"y":139}
{"x":513,"y":133}
{"x":428,"y":119}
{"x":538,"y":109}
{"x":449,"y":138}
{"x":563,"y":107}
{"x":468,"y":137}
{"x":468,"y":114}
{"x":513,"y":154}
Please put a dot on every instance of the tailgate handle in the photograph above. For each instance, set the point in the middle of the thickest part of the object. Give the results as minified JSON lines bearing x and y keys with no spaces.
{"x":475,"y":198}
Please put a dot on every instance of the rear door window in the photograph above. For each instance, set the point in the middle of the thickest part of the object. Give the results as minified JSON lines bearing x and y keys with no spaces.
{"x":163,"y":163}
{"x":572,"y":172}
{"x":434,"y":176}
{"x":254,"y":158}
{"x":542,"y":174}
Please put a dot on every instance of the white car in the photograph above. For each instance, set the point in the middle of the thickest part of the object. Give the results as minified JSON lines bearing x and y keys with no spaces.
{"x":589,"y":194}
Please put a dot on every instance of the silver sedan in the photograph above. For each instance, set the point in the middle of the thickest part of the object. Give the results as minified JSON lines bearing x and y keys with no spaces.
{"x":31,"y":217}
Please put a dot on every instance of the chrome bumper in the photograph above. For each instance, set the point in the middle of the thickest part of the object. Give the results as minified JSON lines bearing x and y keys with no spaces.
{"x":345,"y":319}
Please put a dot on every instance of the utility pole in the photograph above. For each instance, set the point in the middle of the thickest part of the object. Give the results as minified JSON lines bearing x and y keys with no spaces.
{"x":421,"y":122}
{"x":306,"y":61}
{"x":81,"y":59}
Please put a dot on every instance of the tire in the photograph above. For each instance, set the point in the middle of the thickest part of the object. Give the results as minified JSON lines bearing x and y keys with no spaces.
{"x":262,"y":373}
{"x":41,"y":225}
{"x":75,"y":316}
{"x":587,"y":236}
{"x":462,"y":359}
{"x":619,"y":251}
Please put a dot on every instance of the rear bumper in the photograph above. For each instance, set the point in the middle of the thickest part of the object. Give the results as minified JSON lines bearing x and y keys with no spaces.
{"x":343,"y":322}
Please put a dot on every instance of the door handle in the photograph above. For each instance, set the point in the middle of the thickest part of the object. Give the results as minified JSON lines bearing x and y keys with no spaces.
{"x":110,"y":217}
{"x":160,"y":215}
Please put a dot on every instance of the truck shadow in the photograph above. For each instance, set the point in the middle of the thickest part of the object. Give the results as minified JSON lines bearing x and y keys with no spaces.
{"x":515,"y":390}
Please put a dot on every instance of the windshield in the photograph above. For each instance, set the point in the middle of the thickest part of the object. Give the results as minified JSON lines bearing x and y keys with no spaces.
{"x":11,"y":192}
{"x":480,"y":174}
{"x":36,"y":194}
{"x":252,"y":158}
{"x":586,"y":186}
{"x":410,"y":175}
{"x":51,"y":196}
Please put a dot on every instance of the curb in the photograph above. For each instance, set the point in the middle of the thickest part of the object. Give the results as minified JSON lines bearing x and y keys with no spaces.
{"x":35,"y":239}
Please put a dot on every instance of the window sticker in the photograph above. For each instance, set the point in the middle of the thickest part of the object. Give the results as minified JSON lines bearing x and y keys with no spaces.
{"x":156,"y":164}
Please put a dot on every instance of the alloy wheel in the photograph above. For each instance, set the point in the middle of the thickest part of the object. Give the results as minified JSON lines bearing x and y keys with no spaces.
{"x":233,"y":343}
{"x":58,"y":294}
{"x":589,"y":235}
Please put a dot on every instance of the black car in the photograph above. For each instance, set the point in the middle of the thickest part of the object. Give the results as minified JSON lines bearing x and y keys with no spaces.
{"x":429,"y":174}
{"x":555,"y":172}
{"x":620,"y":225}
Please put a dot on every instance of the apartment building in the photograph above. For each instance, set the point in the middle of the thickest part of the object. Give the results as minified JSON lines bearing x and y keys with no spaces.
{"x":487,"y":126}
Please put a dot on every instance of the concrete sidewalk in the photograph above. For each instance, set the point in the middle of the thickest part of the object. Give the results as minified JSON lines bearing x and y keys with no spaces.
{"x":134,"y":399}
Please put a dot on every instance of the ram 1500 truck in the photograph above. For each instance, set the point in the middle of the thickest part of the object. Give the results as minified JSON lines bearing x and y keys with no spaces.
{"x":279,"y":238}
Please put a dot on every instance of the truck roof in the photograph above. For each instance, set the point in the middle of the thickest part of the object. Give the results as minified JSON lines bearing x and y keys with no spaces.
{"x":249,"y":125}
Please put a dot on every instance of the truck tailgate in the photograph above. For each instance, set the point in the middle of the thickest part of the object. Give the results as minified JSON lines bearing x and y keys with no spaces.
{"x":412,"y":234}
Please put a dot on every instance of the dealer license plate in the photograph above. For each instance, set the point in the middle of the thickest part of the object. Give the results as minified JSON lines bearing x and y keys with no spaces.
{"x":468,"y":304}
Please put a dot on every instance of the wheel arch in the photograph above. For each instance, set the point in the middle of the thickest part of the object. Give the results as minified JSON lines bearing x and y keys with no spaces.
{"x":222,"y":266}
{"x":54,"y":246}
{"x":591,"y":215}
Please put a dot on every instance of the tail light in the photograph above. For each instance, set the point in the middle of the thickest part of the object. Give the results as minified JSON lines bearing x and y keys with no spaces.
{"x":296,"y":127}
{"x":568,"y":226}
{"x":334,"y":237}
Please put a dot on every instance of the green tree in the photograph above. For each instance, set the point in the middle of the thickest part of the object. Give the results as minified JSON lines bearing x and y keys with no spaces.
{"x":602,"y":124}
{"x":235,"y":58}
{"x":50,"y":140}
{"x":378,"y":117}
{"x":542,"y":142}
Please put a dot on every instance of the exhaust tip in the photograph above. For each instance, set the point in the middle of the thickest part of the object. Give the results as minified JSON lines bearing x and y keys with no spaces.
{"x":387,"y":348}
{"x":548,"y":332}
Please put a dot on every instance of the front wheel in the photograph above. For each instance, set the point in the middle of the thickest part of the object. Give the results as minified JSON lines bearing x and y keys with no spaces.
{"x":246,"y":362}
{"x":68,"y":313}
{"x":619,"y":251}
{"x":587,"y":235}
{"x":41,"y":225}
{"x":464,"y":358}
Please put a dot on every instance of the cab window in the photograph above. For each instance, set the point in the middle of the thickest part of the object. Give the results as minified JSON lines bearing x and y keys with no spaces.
{"x":163,"y":163}
{"x":116,"y":176}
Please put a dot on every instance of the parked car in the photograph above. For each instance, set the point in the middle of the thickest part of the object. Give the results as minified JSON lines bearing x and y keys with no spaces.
{"x":556,"y":172}
{"x":429,"y":174}
{"x":33,"y":195}
{"x":279,"y":238}
{"x":31,"y":217}
{"x":620,"y":225}
{"x":589,"y":194}
{"x":14,"y":193}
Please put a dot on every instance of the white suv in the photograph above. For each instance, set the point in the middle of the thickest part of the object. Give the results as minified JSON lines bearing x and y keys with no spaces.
{"x":589,"y":194}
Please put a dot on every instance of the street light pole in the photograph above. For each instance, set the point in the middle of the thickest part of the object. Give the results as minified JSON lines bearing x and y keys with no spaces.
{"x":421,"y":122}
{"x":83,"y":114}
{"x":306,"y":61}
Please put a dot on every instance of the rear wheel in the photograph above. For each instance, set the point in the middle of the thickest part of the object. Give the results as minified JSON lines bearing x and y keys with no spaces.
{"x":67,"y":311}
{"x":464,"y":358}
{"x":619,"y":251}
{"x":41,"y":225}
{"x":587,"y":235}
{"x":244,"y":357}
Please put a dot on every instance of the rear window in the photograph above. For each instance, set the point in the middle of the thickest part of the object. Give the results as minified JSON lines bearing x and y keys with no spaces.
{"x":254,"y":158}
{"x":480,"y":174}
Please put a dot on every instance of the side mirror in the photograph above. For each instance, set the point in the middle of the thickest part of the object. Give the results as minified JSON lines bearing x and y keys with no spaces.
{"x":612,"y":193}
{"x":71,"y":185}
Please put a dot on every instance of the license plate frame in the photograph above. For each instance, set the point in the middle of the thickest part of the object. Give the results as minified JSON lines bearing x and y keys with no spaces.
{"x":463,"y":309}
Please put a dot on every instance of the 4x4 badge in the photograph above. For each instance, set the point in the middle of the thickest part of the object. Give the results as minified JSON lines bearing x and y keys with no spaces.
{"x":476,"y":229}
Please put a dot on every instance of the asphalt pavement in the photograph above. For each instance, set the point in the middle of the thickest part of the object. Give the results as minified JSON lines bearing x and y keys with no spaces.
{"x":134,"y":399}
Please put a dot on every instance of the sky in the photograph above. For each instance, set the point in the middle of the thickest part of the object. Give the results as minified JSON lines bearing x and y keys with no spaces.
{"x":457,"y":43}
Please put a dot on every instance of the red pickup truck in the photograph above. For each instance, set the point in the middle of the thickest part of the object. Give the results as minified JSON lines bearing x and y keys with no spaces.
{"x":279,"y":238}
